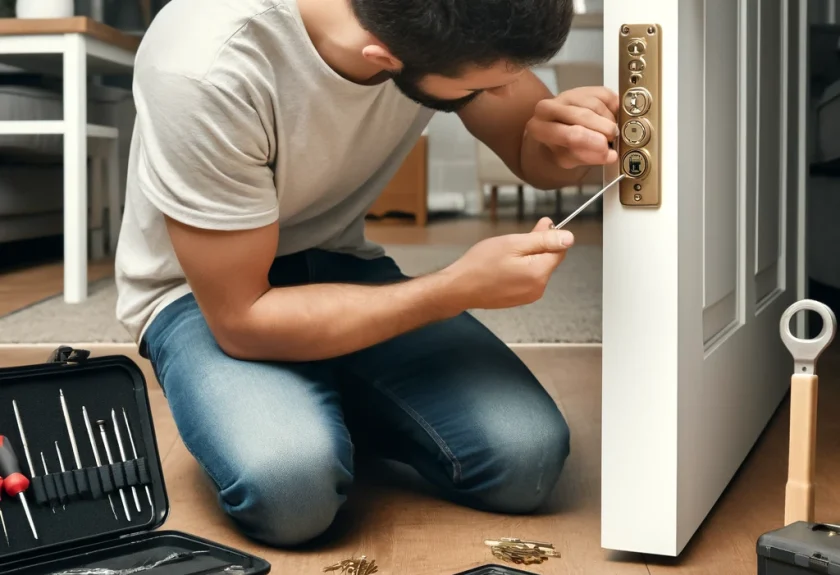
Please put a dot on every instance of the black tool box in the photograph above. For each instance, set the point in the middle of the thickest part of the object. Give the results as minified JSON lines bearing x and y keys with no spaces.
{"x":800,"y":548}
{"x":70,"y":500}
{"x":496,"y":570}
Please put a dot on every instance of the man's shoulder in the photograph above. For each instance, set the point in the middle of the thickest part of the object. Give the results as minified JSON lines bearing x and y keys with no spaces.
{"x":188,"y":37}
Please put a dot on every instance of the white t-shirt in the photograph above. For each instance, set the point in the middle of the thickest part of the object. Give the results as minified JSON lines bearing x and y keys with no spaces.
{"x":240,"y":123}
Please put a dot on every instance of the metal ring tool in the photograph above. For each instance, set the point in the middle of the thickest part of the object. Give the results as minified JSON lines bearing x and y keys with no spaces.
{"x":799,"y":489}
{"x":806,"y":351}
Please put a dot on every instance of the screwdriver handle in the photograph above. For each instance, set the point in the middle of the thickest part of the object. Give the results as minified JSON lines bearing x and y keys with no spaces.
{"x":14,"y":482}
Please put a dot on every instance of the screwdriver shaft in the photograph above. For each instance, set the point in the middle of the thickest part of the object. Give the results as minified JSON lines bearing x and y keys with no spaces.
{"x":70,"y":430}
{"x":28,"y":514}
{"x":23,"y":439}
{"x":46,"y":472}
{"x":134,"y":451}
{"x":104,"y":435}
{"x":589,"y":201}
{"x":122,"y":455}
{"x":5,"y":532}
{"x":60,"y":466}
{"x":95,"y":449}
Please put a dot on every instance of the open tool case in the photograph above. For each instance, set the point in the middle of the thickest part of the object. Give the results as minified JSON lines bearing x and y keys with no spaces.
{"x":71,"y":511}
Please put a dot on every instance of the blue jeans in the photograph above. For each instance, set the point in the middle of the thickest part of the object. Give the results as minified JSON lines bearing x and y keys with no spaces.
{"x":450,"y":400}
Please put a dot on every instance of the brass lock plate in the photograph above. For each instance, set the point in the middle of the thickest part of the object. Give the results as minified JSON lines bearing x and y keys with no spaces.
{"x":639,"y":114}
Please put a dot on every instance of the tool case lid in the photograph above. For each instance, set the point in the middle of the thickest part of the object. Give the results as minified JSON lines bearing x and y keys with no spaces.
{"x":809,"y":545}
{"x":113,"y":381}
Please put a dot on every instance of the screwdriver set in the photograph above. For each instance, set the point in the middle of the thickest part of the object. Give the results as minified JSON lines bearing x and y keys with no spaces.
{"x":81,"y":484}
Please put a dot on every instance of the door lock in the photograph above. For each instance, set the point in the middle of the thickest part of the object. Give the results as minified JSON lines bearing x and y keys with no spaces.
{"x":639,"y":116}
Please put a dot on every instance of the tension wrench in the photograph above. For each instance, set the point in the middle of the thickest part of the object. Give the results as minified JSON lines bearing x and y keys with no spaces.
{"x":589,"y":201}
{"x":799,"y":490}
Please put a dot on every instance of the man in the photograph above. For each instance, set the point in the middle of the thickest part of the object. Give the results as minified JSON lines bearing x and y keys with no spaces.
{"x":282,"y":338}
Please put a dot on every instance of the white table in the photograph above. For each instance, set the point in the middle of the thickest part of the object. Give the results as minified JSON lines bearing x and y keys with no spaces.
{"x":73,"y":48}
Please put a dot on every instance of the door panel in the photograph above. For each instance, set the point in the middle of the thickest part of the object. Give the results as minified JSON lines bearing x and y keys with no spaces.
{"x":693,"y":366}
{"x":720,"y":205}
{"x":769,"y":143}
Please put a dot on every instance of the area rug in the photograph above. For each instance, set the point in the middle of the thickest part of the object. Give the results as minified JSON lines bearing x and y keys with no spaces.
{"x":569,"y":312}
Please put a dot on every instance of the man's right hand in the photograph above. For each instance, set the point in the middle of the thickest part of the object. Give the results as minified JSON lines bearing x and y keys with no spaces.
{"x":509,"y":270}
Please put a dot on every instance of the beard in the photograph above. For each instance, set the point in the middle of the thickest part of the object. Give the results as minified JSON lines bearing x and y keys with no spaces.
{"x":408,"y":82}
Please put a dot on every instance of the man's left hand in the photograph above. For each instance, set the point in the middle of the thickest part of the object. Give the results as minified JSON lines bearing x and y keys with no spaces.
{"x":577,"y":126}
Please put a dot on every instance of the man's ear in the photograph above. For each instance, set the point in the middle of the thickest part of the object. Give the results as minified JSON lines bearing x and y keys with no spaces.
{"x":381,"y":57}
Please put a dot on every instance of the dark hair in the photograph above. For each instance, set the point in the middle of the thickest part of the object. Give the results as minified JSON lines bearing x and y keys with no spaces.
{"x":444,"y":36}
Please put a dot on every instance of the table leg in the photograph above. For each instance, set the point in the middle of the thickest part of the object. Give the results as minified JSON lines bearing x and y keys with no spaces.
{"x":75,"y":169}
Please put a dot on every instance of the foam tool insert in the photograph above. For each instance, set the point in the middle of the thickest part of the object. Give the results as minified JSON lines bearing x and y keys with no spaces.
{"x":95,"y":488}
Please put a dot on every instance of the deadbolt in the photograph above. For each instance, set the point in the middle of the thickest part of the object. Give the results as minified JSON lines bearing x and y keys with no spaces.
{"x":639,"y":87}
{"x":637,"y":101}
{"x":636,"y":132}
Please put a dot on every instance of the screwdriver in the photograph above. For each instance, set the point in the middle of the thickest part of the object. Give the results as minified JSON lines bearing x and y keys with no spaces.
{"x":14,"y":482}
{"x":2,"y":519}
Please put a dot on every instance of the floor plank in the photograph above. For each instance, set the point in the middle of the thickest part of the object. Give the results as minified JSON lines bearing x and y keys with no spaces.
{"x":23,"y":287}
{"x":394,"y":519}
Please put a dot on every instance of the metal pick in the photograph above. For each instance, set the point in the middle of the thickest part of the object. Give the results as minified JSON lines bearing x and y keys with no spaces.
{"x":589,"y":201}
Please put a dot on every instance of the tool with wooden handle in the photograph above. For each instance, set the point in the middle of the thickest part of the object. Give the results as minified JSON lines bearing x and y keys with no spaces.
{"x":799,"y":491}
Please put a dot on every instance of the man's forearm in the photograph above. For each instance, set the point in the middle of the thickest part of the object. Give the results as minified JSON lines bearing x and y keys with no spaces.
{"x":321,"y":321}
{"x":540,"y":169}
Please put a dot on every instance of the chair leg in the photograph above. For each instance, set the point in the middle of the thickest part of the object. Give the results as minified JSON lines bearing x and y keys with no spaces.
{"x":494,"y":203}
{"x":520,"y":203}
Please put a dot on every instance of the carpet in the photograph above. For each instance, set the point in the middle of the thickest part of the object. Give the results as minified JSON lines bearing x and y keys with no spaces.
{"x":569,"y":312}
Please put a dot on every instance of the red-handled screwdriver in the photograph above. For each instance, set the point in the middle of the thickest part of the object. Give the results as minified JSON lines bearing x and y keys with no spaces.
{"x":14,"y":482}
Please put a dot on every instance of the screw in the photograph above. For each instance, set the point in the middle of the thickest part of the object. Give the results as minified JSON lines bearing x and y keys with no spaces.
{"x":637,"y":197}
{"x":651,"y":30}
{"x":625,"y":30}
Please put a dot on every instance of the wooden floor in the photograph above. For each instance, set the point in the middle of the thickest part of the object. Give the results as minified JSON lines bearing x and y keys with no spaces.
{"x":407,"y":531}
{"x":395,"y":520}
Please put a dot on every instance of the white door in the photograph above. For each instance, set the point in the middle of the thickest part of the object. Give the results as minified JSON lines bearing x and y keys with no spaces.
{"x":694,"y":288}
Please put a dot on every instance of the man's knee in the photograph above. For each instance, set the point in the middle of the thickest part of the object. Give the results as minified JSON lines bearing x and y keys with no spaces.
{"x":519,"y":470}
{"x":289,"y":498}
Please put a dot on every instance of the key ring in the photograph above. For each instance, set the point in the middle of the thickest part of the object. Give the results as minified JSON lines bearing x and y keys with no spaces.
{"x":806,"y":351}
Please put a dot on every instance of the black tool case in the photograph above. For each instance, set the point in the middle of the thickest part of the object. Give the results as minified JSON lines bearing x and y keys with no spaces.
{"x":800,"y":548}
{"x":76,"y":527}
{"x":496,"y":570}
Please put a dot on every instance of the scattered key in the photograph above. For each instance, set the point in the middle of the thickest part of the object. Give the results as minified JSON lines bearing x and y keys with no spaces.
{"x":360,"y":566}
{"x":520,"y":551}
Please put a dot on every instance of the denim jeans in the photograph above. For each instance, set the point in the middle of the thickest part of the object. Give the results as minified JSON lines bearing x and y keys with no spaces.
{"x":278,"y":439}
